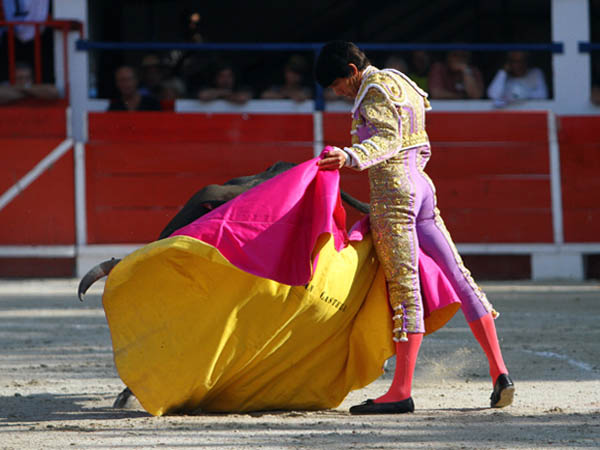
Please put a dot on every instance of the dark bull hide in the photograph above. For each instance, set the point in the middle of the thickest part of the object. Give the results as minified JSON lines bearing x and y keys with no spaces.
{"x":203,"y":201}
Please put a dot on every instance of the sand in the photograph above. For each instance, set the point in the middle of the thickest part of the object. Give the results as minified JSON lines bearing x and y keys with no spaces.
{"x":58,"y":382}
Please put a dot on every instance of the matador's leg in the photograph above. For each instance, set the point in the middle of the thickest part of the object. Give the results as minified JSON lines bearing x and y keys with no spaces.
{"x":394,"y":206}
{"x":435,"y":241}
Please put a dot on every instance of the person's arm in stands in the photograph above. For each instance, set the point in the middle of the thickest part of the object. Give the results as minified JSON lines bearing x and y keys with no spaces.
{"x":540,"y":91}
{"x":473,"y":81}
{"x":209,"y":94}
{"x":271,"y":94}
{"x":239,"y":97}
{"x":495,"y":90}
{"x":436,"y":84}
{"x":10,"y":94}
{"x":41,"y":91}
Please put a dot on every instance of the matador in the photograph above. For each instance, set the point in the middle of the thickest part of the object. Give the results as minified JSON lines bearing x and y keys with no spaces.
{"x":390,"y":140}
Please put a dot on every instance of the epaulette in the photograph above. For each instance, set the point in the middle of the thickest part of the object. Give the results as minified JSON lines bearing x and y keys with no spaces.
{"x":385,"y":82}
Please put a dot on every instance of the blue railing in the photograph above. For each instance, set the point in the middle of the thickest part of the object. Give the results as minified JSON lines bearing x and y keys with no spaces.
{"x":86,"y":45}
{"x":588,"y":47}
{"x":554,"y":47}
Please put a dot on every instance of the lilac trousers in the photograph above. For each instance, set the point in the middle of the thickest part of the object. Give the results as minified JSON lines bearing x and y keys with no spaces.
{"x":404,"y":216}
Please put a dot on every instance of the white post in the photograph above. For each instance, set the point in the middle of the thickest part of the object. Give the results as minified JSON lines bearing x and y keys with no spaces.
{"x":80,"y":203}
{"x":317,"y":133}
{"x":555,"y":184}
{"x":77,"y":111}
{"x":572,"y":79}
{"x":78,"y":63}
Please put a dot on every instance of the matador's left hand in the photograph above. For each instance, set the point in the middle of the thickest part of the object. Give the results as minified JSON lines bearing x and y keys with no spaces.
{"x":333,"y":159}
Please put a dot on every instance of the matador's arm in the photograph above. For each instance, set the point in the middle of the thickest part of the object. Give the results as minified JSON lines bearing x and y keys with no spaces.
{"x":382,"y":116}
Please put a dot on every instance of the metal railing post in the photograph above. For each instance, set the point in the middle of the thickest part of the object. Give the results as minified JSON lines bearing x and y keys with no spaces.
{"x":11,"y":53}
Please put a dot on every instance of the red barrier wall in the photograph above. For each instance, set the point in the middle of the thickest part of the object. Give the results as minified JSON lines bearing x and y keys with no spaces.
{"x":43,"y":213}
{"x":491,"y":172}
{"x":39,"y":122}
{"x":142,"y":167}
{"x":579,"y":140}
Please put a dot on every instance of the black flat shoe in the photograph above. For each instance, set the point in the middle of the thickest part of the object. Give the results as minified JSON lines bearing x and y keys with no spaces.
{"x":504,"y":390}
{"x":370,"y":407}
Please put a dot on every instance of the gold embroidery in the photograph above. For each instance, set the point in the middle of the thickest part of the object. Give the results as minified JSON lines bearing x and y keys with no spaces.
{"x":393,"y":112}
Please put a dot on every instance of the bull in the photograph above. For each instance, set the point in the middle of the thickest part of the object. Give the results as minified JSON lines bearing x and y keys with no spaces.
{"x":202,"y":202}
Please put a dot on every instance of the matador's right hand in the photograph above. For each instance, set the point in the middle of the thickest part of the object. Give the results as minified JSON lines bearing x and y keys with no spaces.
{"x":333,"y":158}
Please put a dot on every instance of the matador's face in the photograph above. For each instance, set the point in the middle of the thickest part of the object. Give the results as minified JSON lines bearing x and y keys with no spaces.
{"x":347,"y":86}
{"x":342,"y":87}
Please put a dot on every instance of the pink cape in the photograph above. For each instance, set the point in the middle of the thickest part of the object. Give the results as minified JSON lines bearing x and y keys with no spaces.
{"x":271,"y":230}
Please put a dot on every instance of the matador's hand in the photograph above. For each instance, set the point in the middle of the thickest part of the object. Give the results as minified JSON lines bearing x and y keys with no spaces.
{"x":333,"y":159}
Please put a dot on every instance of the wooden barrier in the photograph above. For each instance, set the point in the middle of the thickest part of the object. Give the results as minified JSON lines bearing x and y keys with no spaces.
{"x":43,"y":212}
{"x":491,"y":172}
{"x":38,"y":122}
{"x":142,"y":167}
{"x":579,"y":139}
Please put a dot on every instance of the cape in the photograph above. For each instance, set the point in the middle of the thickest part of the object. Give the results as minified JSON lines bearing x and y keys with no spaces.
{"x":264,"y":303}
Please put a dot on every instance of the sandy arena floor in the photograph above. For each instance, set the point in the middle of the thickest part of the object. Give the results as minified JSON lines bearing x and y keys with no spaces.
{"x":58,"y":382}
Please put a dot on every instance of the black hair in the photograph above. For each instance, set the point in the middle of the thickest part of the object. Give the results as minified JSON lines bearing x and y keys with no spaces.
{"x":332,"y":62}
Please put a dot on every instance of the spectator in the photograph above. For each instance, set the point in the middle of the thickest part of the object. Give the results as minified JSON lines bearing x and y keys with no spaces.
{"x":130,"y":98}
{"x":396,"y":62}
{"x":419,"y":70}
{"x":224,"y":86}
{"x":455,"y":78}
{"x":171,"y":89}
{"x":292,"y":88}
{"x":516,"y":81}
{"x":24,"y":87}
{"x":152,"y":75}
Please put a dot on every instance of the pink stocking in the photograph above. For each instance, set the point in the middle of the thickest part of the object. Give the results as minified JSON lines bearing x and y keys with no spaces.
{"x":406,"y":358}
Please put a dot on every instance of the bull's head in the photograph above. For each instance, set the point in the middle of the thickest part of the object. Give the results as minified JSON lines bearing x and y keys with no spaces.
{"x":94,"y":274}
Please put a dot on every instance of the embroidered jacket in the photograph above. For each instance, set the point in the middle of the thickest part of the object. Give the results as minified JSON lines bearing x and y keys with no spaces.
{"x":388,"y":117}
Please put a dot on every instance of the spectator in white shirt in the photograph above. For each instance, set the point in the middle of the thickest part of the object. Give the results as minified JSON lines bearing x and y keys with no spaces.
{"x":516,"y":81}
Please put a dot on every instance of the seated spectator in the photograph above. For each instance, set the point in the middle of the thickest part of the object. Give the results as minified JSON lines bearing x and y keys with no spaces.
{"x":24,"y":87}
{"x":153,"y":73}
{"x":396,"y":62}
{"x":130,"y":98}
{"x":517,"y":81}
{"x":419,"y":68}
{"x":170,"y":90}
{"x":455,"y":78}
{"x":224,"y":86}
{"x":292,"y":87}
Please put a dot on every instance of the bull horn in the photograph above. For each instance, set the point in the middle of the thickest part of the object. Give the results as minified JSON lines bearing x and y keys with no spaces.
{"x":94,"y":274}
{"x":355,"y":203}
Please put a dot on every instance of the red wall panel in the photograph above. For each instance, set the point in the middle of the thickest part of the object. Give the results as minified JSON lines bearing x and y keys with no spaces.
{"x":39,"y":122}
{"x":491,"y":171}
{"x":134,"y":189}
{"x":19,"y":156}
{"x":579,"y":140}
{"x":197,"y":127}
{"x":488,"y":126}
{"x":43,"y":213}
